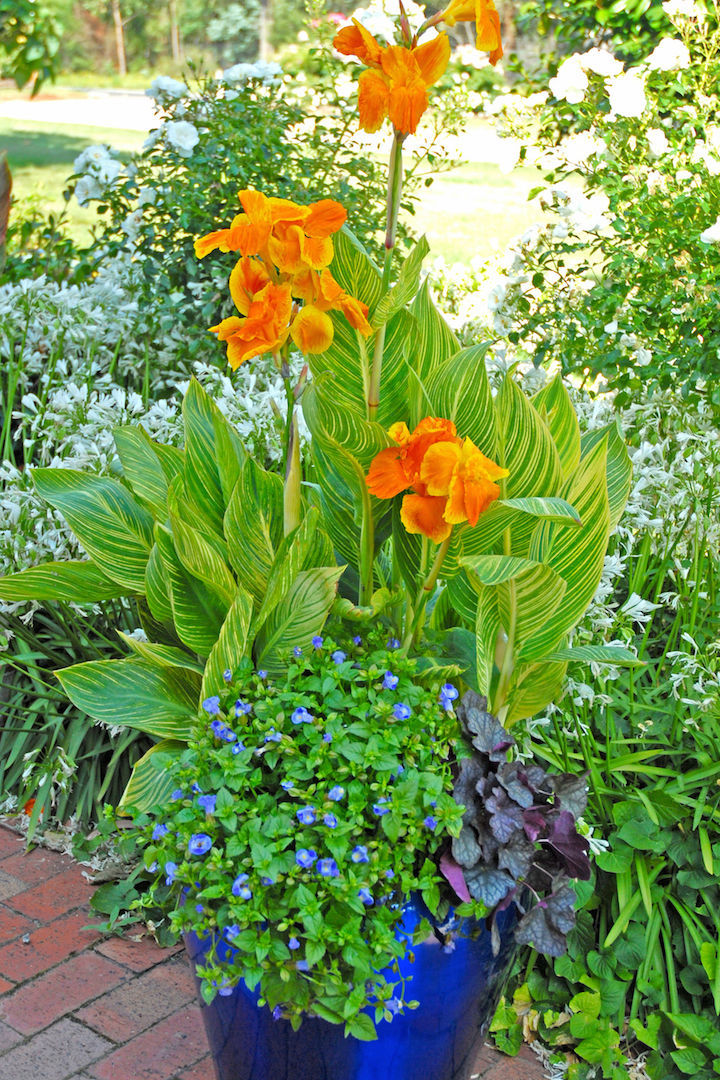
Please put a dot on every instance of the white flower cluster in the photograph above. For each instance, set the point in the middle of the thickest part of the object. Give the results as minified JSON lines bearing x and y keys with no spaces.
{"x":266,"y":72}
{"x":98,"y":171}
{"x":163,"y":89}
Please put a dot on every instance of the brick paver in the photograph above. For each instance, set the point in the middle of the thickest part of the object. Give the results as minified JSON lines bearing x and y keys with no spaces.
{"x":74,"y":1006}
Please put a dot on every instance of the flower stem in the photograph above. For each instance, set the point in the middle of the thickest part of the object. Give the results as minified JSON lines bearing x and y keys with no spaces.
{"x":395,"y":176}
{"x":425,"y":593}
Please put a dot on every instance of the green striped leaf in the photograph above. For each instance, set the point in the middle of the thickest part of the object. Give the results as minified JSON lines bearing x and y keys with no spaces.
{"x":198,"y":610}
{"x":210,"y":464}
{"x":405,"y":287}
{"x":301,"y":550}
{"x":164,"y":655}
{"x":114,"y":529}
{"x":72,"y":582}
{"x":525,"y":446}
{"x":495,"y":569}
{"x":551,"y":509}
{"x":434,"y":342}
{"x":463,"y":598}
{"x":231,"y":646}
{"x":171,"y":459}
{"x":230,"y":455}
{"x":487,"y":628}
{"x":298,"y":618}
{"x":142,"y":468}
{"x":554,"y":405}
{"x":577,"y":555}
{"x":157,"y":587}
{"x":535,"y":687}
{"x":619,"y":468}
{"x":407,"y":549}
{"x":459,"y":390}
{"x":202,"y":560}
{"x":254,"y":526}
{"x":151,"y":782}
{"x":597,"y":654}
{"x":354,"y":270}
{"x":135,"y":693}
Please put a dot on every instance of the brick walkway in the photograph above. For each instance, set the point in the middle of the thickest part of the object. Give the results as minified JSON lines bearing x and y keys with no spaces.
{"x":77,"y":1006}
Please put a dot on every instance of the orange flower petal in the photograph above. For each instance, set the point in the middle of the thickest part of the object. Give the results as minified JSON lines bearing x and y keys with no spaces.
{"x":284,"y":210}
{"x":205,"y":244}
{"x":459,"y":11}
{"x":432,"y":58}
{"x":356,"y":314}
{"x":227,"y":327}
{"x":399,"y":433}
{"x":386,"y":476}
{"x":317,"y":251}
{"x":325,"y":218}
{"x":285,"y":248}
{"x":407,"y":104}
{"x":355,"y":40}
{"x":424,"y":514}
{"x":487,"y":25}
{"x":247,"y":278}
{"x":312,"y":330}
{"x":373,"y":99}
{"x":438,"y":466}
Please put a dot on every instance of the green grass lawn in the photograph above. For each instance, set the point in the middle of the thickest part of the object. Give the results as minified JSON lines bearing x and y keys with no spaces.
{"x":473,"y":210}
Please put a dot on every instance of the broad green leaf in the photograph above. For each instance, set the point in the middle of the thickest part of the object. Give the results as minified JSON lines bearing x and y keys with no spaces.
{"x":597,"y":654}
{"x":202,"y":560}
{"x":458,"y":645}
{"x":460,"y":391}
{"x":407,"y":549}
{"x":231,"y":646}
{"x":527,"y":592}
{"x":550,"y":509}
{"x":554,"y":402}
{"x":203,"y":468}
{"x":254,"y":526}
{"x":135,"y":693}
{"x":114,"y":529}
{"x":230,"y":453}
{"x":72,"y":582}
{"x":495,"y":569}
{"x":293,"y":555}
{"x":354,"y":270}
{"x":198,"y":610}
{"x":164,"y":655}
{"x":487,"y":627}
{"x":619,"y":468}
{"x":151,"y":783}
{"x":406,"y":285}
{"x":157,"y":587}
{"x":434,"y":341}
{"x":171,"y":459}
{"x":525,"y":446}
{"x":463,"y":597}
{"x":535,"y":686}
{"x":298,"y":618}
{"x":142,"y":468}
{"x":577,"y":555}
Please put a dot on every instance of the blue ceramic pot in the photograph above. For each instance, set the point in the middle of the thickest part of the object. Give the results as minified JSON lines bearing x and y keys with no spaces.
{"x":458,"y":992}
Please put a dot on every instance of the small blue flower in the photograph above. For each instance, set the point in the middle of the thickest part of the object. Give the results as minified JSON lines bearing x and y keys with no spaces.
{"x":287,"y":784}
{"x":366,"y":896}
{"x":199,"y":908}
{"x":327,"y":737}
{"x":178,"y":793}
{"x":293,"y":944}
{"x":266,"y":881}
{"x":306,"y":815}
{"x":227,"y":674}
{"x":239,"y":888}
{"x":305,"y":857}
{"x":242,"y":707}
{"x":390,"y":681}
{"x":153,"y":866}
{"x":238,"y":748}
{"x":273,"y":736}
{"x":330,"y":820}
{"x":335,"y":794}
{"x":393,"y":643}
{"x":297,"y":651}
{"x":212,"y":705}
{"x":199,"y":843}
{"x":317,"y":642}
{"x":359,"y":854}
{"x":357,"y":640}
{"x":277,"y":1013}
{"x":301,"y":716}
{"x":339,"y":657}
{"x":225,"y":989}
{"x":232,"y":931}
{"x":449,"y":691}
{"x":328,"y":868}
{"x":389,"y":874}
{"x":160,"y":830}
{"x":401,"y":711}
{"x":196,"y":789}
{"x":379,"y":808}
{"x":207,"y":802}
{"x":302,"y":965}
{"x":430,"y":822}
{"x":262,"y":674}
{"x":170,"y":872}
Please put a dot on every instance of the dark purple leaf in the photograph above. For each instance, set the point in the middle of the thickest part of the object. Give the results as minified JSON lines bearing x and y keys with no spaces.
{"x":516,"y":856}
{"x":573,"y":847}
{"x":465,"y":847}
{"x":450,"y":869}
{"x":489,"y":736}
{"x":570,"y":793}
{"x":561,"y":909}
{"x":488,"y":885}
{"x":470,"y":774}
{"x":534,"y":824}
{"x":506,"y":817}
{"x":536,"y":929}
{"x":512,"y":776}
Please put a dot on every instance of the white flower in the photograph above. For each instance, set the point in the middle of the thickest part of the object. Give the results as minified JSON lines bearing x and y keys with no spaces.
{"x":679,"y":9}
{"x":601,"y":62}
{"x":571,"y":82}
{"x":182,"y":136}
{"x":108,"y":171}
{"x":642,"y":357}
{"x":670,"y":55}
{"x":267,"y":73}
{"x":627,"y":94}
{"x":147,"y":196}
{"x":153,"y":137}
{"x":657,"y":142}
{"x":508,"y":154}
{"x":581,"y":146}
{"x":131,"y":224}
{"x":637,"y":609}
{"x":91,"y":155}
{"x":611,"y":327}
{"x":163,"y":88}
{"x":87,"y":188}
{"x":711,"y":234}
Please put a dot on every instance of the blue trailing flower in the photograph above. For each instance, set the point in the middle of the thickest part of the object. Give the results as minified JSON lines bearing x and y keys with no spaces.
{"x":227,"y":674}
{"x":335,"y":794}
{"x":305,"y":857}
{"x":359,"y":854}
{"x":301,"y":716}
{"x":339,"y":657}
{"x":328,"y":868}
{"x":366,"y":896}
{"x":240,"y":889}
{"x":211,"y":705}
{"x":402,"y":711}
{"x":170,"y":872}
{"x":160,"y":830}
{"x":390,"y":681}
{"x":207,"y":802}
{"x":199,"y":843}
{"x":306,"y":815}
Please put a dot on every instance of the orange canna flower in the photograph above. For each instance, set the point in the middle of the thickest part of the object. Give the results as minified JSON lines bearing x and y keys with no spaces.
{"x":312,"y":330}
{"x":396,"y":82}
{"x":487,"y":23}
{"x":451,"y":479}
{"x":323,"y":292}
{"x":264,"y":329}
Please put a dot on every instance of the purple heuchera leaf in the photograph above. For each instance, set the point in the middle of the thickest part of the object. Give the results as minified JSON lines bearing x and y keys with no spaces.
{"x":517,"y":856}
{"x":465,"y":847}
{"x":488,"y":734}
{"x":453,"y":872}
{"x":505,"y":816}
{"x":570,"y":793}
{"x":546,"y":925}
{"x":574,"y":848}
{"x":488,"y":885}
{"x":534,"y":824}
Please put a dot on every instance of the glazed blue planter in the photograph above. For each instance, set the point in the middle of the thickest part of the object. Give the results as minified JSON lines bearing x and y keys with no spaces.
{"x":458,"y":992}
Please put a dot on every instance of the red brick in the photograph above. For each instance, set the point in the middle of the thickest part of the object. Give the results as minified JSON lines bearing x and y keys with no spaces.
{"x":140,"y":1002}
{"x":137,"y":955}
{"x":38,"y":1003}
{"x":57,"y":1053}
{"x":526,"y":1066}
{"x":34,"y":866}
{"x":69,"y":890}
{"x":10,"y":842}
{"x":48,"y":945}
{"x":157,"y":1054}
{"x":203,"y":1070}
{"x":12,"y":925}
{"x":5,"y":986}
{"x":10,"y":885}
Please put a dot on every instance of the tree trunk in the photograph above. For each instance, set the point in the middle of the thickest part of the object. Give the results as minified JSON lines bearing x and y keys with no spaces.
{"x":264,"y":44}
{"x":174,"y":31}
{"x":119,"y":38}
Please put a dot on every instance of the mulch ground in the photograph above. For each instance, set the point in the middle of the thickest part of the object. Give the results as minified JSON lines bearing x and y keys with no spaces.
{"x":75,"y":1005}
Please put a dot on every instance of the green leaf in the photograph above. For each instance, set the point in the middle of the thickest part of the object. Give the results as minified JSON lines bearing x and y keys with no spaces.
{"x":73,"y":582}
{"x":501,"y":515}
{"x":525,"y":446}
{"x":553,"y":402}
{"x":231,"y":646}
{"x":535,"y":686}
{"x":201,"y":559}
{"x":202,"y":468}
{"x":527,"y":592}
{"x":406,"y":286}
{"x":142,"y":468}
{"x":460,"y":391}
{"x":597,"y":654}
{"x":407,"y":549}
{"x":361,"y":1027}
{"x":354,"y":270}
{"x":151,"y":783}
{"x":135,"y":693}
{"x":198,"y":611}
{"x":487,"y":627}
{"x":230,"y":455}
{"x":550,"y":509}
{"x":163,"y":655}
{"x":294,"y":554}
{"x":254,"y":526}
{"x":114,"y":529}
{"x":618,"y":465}
{"x":157,"y":587}
{"x":433,"y":343}
{"x":299,"y":617}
